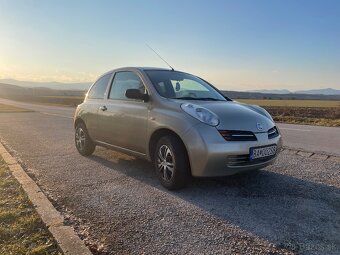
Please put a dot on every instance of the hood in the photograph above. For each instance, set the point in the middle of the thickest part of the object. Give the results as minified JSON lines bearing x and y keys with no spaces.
{"x":237,"y":116}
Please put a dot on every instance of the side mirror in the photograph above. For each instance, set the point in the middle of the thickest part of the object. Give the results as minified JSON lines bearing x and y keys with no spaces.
{"x":136,"y":94}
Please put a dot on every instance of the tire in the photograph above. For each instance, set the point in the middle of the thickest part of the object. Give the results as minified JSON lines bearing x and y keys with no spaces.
{"x":171,"y":162}
{"x":83,"y":142}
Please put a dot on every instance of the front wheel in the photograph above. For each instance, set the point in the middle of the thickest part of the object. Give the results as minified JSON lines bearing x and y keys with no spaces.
{"x":171,"y":162}
{"x":83,"y":142}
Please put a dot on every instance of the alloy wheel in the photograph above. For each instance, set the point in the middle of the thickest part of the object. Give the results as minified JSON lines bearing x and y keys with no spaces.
{"x":80,"y":138}
{"x":165,"y":162}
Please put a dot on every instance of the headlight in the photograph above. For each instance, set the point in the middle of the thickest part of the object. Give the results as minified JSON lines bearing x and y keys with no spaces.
{"x":201,"y":113}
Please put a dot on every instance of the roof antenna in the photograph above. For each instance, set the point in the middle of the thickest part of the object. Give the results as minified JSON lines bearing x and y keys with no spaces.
{"x":160,"y":56}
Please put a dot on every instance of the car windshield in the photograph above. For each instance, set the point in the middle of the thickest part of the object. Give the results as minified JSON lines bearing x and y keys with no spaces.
{"x":178,"y":85}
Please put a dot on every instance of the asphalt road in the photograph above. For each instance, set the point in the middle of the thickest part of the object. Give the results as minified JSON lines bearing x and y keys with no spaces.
{"x":117,"y":205}
{"x":301,"y":137}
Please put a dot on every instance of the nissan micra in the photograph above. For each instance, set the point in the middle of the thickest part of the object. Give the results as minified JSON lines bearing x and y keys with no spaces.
{"x":180,"y":122}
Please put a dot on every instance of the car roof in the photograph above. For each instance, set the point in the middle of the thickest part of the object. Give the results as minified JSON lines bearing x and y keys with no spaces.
{"x":134,"y":68}
{"x":140,"y":68}
{"x":153,"y":69}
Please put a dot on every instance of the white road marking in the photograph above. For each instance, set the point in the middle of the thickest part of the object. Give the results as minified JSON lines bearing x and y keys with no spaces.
{"x":295,"y":129}
{"x":59,"y":115}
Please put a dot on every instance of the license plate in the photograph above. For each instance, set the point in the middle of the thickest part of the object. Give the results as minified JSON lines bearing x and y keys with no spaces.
{"x":262,"y":152}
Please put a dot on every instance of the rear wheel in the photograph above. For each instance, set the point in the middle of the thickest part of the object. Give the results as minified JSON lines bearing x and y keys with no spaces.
{"x":171,"y":162}
{"x":83,"y":142}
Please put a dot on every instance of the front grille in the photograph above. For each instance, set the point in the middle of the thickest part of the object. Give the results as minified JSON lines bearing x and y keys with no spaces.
{"x":273,"y":132}
{"x":244,"y":160}
{"x":234,"y":135}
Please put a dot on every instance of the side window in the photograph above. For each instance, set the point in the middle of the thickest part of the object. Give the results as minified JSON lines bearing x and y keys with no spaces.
{"x":162,"y":88}
{"x":98,"y":89}
{"x":123,"y":81}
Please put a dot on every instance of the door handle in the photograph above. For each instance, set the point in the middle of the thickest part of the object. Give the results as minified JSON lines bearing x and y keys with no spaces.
{"x":103,"y":108}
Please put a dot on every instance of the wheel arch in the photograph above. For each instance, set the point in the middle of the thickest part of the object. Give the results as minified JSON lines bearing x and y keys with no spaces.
{"x":77,"y":121}
{"x":156,"y":135}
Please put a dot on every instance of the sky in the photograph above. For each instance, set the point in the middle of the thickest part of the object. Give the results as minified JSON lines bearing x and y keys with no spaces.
{"x":236,"y":45}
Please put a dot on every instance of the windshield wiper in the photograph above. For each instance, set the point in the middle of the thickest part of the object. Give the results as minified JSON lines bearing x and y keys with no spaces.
{"x":198,"y":98}
{"x":185,"y":98}
{"x":209,"y":99}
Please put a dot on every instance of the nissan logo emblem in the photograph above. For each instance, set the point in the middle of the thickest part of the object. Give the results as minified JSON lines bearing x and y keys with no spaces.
{"x":259,"y":126}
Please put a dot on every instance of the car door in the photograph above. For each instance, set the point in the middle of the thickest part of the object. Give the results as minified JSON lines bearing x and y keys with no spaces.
{"x":124,"y":121}
{"x":94,"y":101}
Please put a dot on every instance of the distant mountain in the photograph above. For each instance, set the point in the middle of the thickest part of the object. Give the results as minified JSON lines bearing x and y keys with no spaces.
{"x":84,"y":86}
{"x":51,"y":85}
{"x":328,"y":91}
{"x":7,"y":90}
{"x":290,"y":96}
{"x":273,"y":91}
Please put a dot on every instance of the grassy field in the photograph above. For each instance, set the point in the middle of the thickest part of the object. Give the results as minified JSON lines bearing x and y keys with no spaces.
{"x":8,"y":108}
{"x":74,"y":100}
{"x":261,"y":102}
{"x":320,"y":116}
{"x":66,"y":97}
{"x":21,"y":230}
{"x":292,"y":103}
{"x":311,"y":112}
{"x":308,"y":121}
{"x":308,"y":112}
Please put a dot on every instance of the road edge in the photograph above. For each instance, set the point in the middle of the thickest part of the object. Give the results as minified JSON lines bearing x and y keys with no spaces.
{"x":65,"y":236}
{"x":312,"y":155}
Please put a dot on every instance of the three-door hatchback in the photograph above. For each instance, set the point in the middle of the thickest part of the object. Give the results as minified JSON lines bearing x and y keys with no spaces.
{"x":179,"y":121}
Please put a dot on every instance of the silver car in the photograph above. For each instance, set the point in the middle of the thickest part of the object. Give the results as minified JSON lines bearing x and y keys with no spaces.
{"x":179,"y":121}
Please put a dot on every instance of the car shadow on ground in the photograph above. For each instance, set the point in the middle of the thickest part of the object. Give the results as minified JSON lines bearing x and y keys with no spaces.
{"x":293,"y":213}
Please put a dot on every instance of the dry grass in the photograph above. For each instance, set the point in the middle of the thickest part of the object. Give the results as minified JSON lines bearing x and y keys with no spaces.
{"x":67,"y":97}
{"x":21,"y":229}
{"x":71,"y":101}
{"x":308,"y":121}
{"x":4,"y":108}
{"x":312,"y":112}
{"x":309,"y":112}
{"x":322,"y":116}
{"x":292,"y":103}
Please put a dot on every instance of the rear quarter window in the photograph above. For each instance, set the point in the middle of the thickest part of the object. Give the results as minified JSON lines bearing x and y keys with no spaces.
{"x":99,"y":88}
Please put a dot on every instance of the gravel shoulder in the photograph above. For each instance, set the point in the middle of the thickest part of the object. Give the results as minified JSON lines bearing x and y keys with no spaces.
{"x":117,"y":205}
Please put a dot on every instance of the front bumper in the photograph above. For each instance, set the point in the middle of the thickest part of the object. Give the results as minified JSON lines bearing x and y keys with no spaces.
{"x":211,"y":155}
